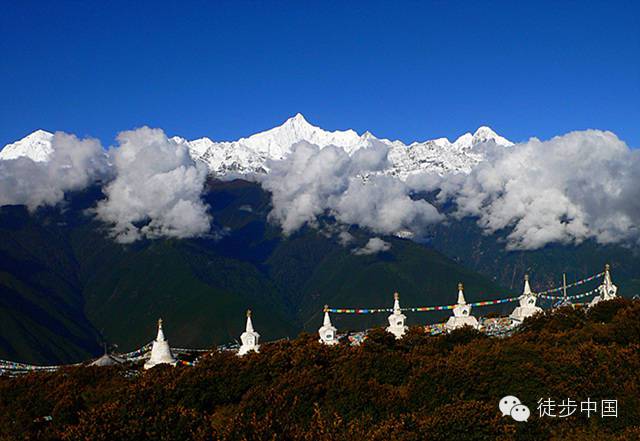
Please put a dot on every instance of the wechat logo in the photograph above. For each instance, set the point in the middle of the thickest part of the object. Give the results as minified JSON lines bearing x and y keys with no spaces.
{"x":512,"y":406}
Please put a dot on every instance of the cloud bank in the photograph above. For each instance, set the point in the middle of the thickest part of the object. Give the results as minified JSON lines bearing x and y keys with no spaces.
{"x":74,"y":165}
{"x":579,"y":186}
{"x":156,"y":190}
{"x":311,"y":182}
{"x":582,"y":185}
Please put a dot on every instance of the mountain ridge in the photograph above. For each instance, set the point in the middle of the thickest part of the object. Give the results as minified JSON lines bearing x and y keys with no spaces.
{"x":250,"y":155}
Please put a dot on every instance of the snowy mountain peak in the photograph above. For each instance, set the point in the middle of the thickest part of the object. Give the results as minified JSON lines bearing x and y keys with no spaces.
{"x":296,"y":123}
{"x":299,"y":117}
{"x":484,"y":134}
{"x":465,"y":141}
{"x":484,"y":131}
{"x":36,"y":146}
{"x":39,"y":134}
{"x":276,"y":142}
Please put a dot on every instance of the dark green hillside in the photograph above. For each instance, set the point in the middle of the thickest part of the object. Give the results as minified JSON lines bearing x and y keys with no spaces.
{"x":41,"y":296}
{"x":94,"y":288}
{"x":201,"y":295}
{"x":65,"y":286}
{"x":311,"y":270}
{"x":202,"y":287}
{"x":339,"y":278}
{"x":464,"y":242}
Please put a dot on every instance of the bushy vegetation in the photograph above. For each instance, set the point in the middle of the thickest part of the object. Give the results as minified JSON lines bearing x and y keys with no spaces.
{"x":418,"y":388}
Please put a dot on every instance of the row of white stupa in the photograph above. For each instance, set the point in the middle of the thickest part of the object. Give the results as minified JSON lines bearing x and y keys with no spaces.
{"x":161,"y":352}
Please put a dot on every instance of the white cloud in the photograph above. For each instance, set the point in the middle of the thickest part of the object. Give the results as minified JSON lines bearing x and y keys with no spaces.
{"x":313,"y":181}
{"x":302,"y":183}
{"x":74,"y":164}
{"x":345,"y":238}
{"x":375,"y":245}
{"x":156,"y":191}
{"x":383,"y":205}
{"x":570,"y":188}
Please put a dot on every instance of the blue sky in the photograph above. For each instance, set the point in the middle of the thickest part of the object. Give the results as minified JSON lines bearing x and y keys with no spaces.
{"x":403,"y":70}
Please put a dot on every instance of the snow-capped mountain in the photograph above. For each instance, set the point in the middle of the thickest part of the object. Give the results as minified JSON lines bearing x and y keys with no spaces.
{"x":442,"y":156}
{"x":251,"y":155}
{"x":36,"y":146}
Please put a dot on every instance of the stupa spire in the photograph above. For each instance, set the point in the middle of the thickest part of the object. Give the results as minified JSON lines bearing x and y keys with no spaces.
{"x":327,"y":319}
{"x":461,"y":300}
{"x":160,"y":336}
{"x":527,"y":288}
{"x":249,"y":326}
{"x":607,"y":275}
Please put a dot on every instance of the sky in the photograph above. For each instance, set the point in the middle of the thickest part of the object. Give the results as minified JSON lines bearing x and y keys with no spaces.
{"x":403,"y":70}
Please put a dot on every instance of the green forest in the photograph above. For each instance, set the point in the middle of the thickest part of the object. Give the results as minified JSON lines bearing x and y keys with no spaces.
{"x":420,"y":387}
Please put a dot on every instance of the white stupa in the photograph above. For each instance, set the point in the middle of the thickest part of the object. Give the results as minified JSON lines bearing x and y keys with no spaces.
{"x":397,"y":319}
{"x":327,"y":331}
{"x":249,"y":338}
{"x":607,"y":290}
{"x":160,"y":351}
{"x":527,"y":306}
{"x":461,"y":313}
